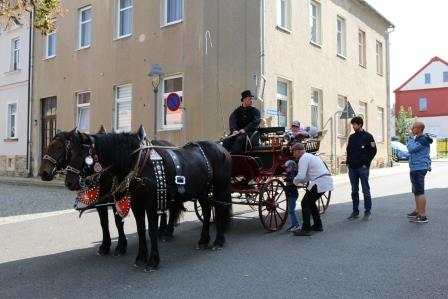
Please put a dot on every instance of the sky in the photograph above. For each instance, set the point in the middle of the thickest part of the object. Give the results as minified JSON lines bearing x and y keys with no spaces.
{"x":419,"y":35}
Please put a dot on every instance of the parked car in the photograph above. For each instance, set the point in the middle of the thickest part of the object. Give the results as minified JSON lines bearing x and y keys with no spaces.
{"x":399,"y":151}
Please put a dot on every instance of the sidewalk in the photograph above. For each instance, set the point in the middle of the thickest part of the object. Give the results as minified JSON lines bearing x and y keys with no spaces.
{"x":31,"y":181}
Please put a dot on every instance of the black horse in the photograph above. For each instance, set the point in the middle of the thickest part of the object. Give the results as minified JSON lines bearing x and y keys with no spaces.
{"x":206,"y":167}
{"x":55,"y":161}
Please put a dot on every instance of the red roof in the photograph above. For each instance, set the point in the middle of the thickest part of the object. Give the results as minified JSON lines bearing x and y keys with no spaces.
{"x":434,"y":59}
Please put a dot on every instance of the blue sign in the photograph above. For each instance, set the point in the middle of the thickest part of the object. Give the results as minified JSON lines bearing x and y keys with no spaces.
{"x":271,"y":111}
{"x":173,"y":101}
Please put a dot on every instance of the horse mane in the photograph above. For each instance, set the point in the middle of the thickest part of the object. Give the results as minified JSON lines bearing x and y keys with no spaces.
{"x":116,"y":149}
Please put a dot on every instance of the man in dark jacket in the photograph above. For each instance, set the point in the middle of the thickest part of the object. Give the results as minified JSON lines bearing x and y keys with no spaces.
{"x":361,"y":149}
{"x":242,"y":122}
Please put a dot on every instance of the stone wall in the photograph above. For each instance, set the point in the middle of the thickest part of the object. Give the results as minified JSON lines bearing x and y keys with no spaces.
{"x":13,"y":166}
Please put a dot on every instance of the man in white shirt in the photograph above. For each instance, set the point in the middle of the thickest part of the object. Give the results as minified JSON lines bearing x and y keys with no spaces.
{"x":312,"y":170}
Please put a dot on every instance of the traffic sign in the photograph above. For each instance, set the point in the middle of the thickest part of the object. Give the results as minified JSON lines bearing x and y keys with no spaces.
{"x":348,"y":111}
{"x":173,"y":101}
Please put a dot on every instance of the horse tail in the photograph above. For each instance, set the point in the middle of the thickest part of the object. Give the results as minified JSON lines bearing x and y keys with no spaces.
{"x":176,"y":210}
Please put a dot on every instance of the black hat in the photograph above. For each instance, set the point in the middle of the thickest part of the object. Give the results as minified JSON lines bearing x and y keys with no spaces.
{"x":246,"y":94}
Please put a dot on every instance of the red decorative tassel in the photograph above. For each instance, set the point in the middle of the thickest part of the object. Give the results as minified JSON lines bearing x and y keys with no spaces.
{"x":90,"y":196}
{"x":123,"y":206}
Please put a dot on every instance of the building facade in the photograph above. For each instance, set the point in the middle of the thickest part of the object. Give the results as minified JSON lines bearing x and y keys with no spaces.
{"x":14,"y":76}
{"x":426,"y":93}
{"x":305,"y":59}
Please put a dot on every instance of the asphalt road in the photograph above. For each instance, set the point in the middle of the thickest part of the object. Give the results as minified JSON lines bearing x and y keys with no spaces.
{"x":54,"y":256}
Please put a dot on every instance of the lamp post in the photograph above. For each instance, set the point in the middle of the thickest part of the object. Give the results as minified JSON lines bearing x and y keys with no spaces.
{"x":156,"y":73}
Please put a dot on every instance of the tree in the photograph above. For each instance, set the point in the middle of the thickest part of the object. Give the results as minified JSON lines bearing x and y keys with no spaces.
{"x":403,"y":124}
{"x":13,"y":12}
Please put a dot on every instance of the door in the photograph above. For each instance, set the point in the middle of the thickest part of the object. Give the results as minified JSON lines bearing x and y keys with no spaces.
{"x":48,"y":121}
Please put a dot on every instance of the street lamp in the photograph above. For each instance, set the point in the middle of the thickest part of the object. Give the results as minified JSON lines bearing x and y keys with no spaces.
{"x":156,"y":73}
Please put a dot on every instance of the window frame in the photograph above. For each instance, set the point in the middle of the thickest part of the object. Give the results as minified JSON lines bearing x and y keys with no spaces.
{"x":82,"y":106}
{"x":8,"y":120}
{"x":342,"y":123}
{"x":316,"y":22}
{"x":165,"y":14}
{"x":80,"y":27}
{"x":422,"y":104}
{"x":119,"y":101}
{"x":365,"y":115}
{"x":161,"y":121}
{"x":319,"y":105}
{"x":287,"y":15}
{"x":15,"y":53}
{"x":427,"y":78}
{"x":362,"y":56}
{"x":379,"y":58}
{"x":284,"y":98}
{"x":445,"y":76}
{"x":52,"y":34}
{"x":380,"y":124}
{"x":118,"y":11}
{"x":343,"y":37}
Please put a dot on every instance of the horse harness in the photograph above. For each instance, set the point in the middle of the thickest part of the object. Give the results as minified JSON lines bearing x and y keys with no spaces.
{"x":160,"y":174}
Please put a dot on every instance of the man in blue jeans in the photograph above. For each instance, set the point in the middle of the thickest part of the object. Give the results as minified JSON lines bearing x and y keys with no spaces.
{"x":361,"y":149}
{"x":419,"y":165}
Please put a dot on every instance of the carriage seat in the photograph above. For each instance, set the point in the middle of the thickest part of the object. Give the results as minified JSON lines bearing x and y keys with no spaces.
{"x":246,"y":166}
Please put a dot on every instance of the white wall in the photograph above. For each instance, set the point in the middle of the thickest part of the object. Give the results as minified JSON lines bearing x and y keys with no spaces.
{"x":437,"y":125}
{"x":436,"y":70}
{"x":14,"y":89}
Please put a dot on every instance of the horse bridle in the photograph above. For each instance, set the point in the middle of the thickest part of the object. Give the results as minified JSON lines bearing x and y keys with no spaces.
{"x":58,"y":164}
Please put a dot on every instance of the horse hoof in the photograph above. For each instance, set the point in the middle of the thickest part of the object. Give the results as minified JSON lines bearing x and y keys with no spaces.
{"x":103,"y":251}
{"x":202,"y":247}
{"x":150,"y":269}
{"x":216,"y":247}
{"x":119,"y":251}
{"x":139,"y":263}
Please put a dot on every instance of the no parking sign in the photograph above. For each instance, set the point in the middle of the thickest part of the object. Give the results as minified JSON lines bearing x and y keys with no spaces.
{"x":173,"y":101}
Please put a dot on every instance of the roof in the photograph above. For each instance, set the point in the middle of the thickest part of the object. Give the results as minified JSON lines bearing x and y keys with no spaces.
{"x":434,"y":59}
{"x":365,"y":3}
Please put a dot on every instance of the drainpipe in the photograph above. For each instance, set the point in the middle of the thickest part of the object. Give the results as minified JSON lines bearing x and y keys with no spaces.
{"x":29,"y":168}
{"x":389,"y":149}
{"x":262,"y":45}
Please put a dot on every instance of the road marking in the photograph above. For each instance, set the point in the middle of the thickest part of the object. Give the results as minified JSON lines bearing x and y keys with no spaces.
{"x":22,"y":218}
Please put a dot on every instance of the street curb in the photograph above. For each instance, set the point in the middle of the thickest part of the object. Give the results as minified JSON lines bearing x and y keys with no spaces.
{"x":22,"y":181}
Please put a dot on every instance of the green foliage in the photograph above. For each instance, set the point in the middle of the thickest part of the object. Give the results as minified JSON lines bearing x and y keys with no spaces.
{"x":403,"y":124}
{"x":15,"y":11}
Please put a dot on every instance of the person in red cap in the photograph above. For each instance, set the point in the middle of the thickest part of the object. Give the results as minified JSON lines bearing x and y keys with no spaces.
{"x":242,"y":123}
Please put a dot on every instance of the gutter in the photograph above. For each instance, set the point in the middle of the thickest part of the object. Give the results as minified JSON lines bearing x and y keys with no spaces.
{"x":30,"y":94}
{"x":388,"y":144}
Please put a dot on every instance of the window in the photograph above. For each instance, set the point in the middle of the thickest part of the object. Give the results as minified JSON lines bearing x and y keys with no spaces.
{"x":83,"y":111}
{"x":427,"y":78}
{"x":172,"y":119}
{"x":284,"y":14}
{"x":15,"y":54}
{"x":316,"y":108}
{"x":123,"y":105}
{"x":363,"y":113}
{"x":422,"y":104}
{"x":172,"y":11}
{"x":379,"y":58}
{"x":12,"y":121}
{"x":315,"y":22}
{"x":362,"y":48}
{"x":341,"y":36}
{"x":445,"y":76}
{"x":85,"y":27}
{"x":124,"y":18}
{"x":50,"y":45}
{"x":380,"y":123}
{"x":342,"y":123}
{"x":282,"y":103}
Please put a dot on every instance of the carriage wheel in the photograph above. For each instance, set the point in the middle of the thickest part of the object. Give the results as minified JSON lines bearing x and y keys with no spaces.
{"x":323,"y":202}
{"x":200,"y":215}
{"x":272,"y":206}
